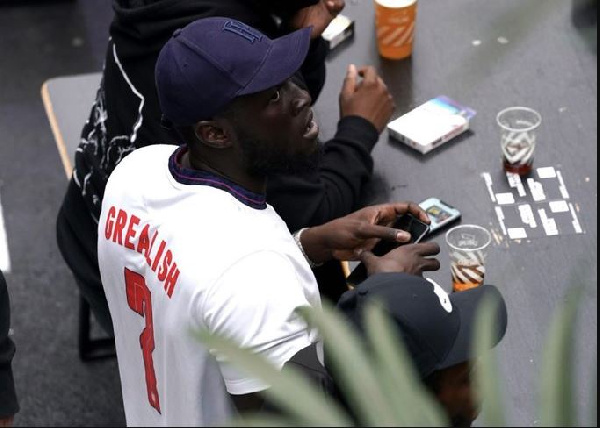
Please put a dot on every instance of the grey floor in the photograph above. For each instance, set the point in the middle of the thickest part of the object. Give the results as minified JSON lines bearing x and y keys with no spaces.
{"x":39,"y":40}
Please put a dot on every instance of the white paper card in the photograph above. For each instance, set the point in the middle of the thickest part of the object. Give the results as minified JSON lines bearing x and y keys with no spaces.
{"x":517,"y":233}
{"x":559,"y":206}
{"x":505,"y":198}
{"x":546,"y":172}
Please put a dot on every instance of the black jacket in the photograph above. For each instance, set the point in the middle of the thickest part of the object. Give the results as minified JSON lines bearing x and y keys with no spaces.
{"x":126,"y":115}
{"x":8,"y":398}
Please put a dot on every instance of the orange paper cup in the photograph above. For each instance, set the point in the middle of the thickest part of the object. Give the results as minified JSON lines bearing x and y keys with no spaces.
{"x":394,"y":24}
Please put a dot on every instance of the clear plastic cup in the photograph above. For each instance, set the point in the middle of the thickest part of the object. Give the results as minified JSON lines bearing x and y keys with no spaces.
{"x":467,"y":249}
{"x":518,"y":127}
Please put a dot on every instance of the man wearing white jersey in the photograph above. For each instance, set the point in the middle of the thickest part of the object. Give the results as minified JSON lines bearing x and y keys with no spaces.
{"x":187,"y":240}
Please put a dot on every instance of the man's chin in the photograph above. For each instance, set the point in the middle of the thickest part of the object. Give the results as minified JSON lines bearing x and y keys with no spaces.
{"x":296,"y":168}
{"x":299,"y":165}
{"x":302,"y":164}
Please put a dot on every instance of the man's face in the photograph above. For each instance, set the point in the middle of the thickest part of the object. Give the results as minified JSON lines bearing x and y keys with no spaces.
{"x":455,"y":393}
{"x":275,"y":130}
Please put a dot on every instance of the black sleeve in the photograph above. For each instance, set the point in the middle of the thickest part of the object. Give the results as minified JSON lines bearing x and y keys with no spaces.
{"x":8,"y":397}
{"x":285,"y":8}
{"x":334,"y":189}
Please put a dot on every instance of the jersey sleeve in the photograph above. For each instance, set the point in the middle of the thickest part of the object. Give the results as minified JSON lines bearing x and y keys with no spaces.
{"x":253,"y":303}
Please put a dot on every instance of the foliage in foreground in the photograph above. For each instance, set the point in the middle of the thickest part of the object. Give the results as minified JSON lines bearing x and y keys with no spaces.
{"x":381,"y":385}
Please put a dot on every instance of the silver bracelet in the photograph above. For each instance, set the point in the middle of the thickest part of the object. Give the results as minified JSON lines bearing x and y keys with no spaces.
{"x":297,"y":236}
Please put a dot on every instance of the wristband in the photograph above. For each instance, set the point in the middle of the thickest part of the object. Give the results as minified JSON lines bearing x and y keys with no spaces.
{"x":297,"y":236}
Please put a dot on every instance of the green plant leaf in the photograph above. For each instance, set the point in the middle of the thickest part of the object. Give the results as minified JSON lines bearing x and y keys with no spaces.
{"x":351,"y":366}
{"x":405,"y":391}
{"x":487,"y":379}
{"x":289,"y":390}
{"x":261,"y":420}
{"x":556,"y":398}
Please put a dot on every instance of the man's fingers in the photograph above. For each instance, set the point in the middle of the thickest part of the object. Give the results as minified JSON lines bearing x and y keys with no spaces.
{"x":368,"y":73}
{"x":430,"y":264}
{"x":365,"y":255}
{"x":411,"y":208}
{"x":350,"y":80}
{"x":370,"y":231}
{"x":400,"y":208}
{"x":427,"y":248}
{"x":335,"y":6}
{"x":417,"y":211}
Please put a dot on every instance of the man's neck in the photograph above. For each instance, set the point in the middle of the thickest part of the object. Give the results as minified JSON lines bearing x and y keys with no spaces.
{"x":228,"y":170}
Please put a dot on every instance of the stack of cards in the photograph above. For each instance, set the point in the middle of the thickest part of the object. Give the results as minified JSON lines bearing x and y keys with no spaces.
{"x":431,"y":124}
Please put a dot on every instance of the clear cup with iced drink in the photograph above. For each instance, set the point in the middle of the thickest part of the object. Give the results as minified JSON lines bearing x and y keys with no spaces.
{"x":467,"y":249}
{"x":518,"y":127}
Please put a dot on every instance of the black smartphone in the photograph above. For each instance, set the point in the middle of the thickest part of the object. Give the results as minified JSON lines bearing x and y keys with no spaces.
{"x":408,"y":222}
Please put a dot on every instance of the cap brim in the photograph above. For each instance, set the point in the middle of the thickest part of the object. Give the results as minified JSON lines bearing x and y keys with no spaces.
{"x":284,"y":59}
{"x":467,"y":303}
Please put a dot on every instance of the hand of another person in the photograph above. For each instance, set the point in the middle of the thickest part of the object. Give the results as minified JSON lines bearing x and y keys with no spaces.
{"x":409,"y":258}
{"x":345,"y":237}
{"x":319,"y":16}
{"x":369,"y":98}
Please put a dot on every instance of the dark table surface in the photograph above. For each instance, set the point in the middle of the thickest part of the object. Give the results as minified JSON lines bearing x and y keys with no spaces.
{"x":489,"y":55}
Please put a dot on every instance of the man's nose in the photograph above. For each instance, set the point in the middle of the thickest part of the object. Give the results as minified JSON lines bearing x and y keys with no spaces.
{"x":300,"y":101}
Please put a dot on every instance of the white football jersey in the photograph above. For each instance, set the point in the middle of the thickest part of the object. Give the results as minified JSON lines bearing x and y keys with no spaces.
{"x":181,"y":250}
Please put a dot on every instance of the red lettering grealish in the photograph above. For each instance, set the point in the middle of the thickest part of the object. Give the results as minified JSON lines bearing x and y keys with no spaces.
{"x":162,"y":272}
{"x":161,"y":248}
{"x":110,"y":221}
{"x":119,"y":225}
{"x":171,"y":280}
{"x":143,"y":246}
{"x":133,"y":222}
{"x":119,"y":222}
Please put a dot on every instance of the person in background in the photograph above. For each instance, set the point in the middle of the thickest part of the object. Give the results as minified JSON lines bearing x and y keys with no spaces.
{"x":436,"y":329}
{"x":187,"y":239}
{"x":9,"y":404}
{"x":126,"y":116}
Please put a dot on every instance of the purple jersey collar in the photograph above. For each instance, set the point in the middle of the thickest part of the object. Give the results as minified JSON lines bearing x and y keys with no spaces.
{"x":203,"y":178}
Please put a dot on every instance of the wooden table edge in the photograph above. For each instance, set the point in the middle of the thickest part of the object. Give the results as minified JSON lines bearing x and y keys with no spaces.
{"x":58,"y":137}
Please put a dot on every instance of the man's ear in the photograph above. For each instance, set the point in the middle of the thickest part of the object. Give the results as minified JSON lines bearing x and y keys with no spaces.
{"x":212,"y":134}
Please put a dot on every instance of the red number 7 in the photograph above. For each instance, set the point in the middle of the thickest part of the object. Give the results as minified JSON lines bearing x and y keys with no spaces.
{"x":140,"y":301}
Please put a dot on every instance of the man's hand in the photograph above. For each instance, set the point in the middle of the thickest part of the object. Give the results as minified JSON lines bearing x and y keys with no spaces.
{"x":386,"y":214}
{"x":410,"y":258}
{"x":369,"y":99}
{"x":318,"y":16}
{"x":346,"y":237}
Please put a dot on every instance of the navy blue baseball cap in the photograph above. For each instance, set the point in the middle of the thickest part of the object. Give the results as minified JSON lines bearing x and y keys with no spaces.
{"x":436,"y":327}
{"x":212,"y":61}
